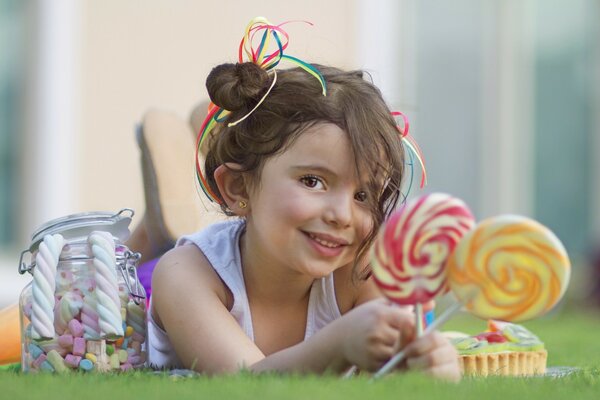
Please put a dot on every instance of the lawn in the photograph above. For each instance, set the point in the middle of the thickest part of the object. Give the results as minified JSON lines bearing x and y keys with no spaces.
{"x":571,"y":338}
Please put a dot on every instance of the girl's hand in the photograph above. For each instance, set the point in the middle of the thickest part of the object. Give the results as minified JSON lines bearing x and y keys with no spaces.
{"x":434,"y":355}
{"x":373,"y":332}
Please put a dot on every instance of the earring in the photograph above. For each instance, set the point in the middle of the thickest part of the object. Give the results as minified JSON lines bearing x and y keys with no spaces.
{"x":242,"y":204}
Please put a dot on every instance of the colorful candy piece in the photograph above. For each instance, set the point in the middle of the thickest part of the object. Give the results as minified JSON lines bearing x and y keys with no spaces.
{"x":65,"y":341}
{"x":509,"y":268}
{"x":44,"y":284}
{"x":128,"y":331}
{"x":57,"y":362}
{"x":97,"y":347}
{"x":138,"y":337}
{"x":126,"y":367}
{"x":52,"y":344}
{"x":68,"y":307}
{"x":86,"y":365}
{"x":46,"y":366}
{"x":91,"y":357}
{"x":114,"y":361}
{"x":75,"y":328}
{"x":39,"y":360}
{"x":123,"y":356}
{"x":34,"y":350}
{"x":72,"y":360}
{"x":410,"y":253}
{"x":79,"y":346}
{"x":107,"y":290}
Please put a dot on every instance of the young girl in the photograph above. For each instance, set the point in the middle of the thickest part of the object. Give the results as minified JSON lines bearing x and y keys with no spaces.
{"x":285,"y":286}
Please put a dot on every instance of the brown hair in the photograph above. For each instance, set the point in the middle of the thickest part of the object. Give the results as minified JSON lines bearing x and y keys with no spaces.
{"x":295,"y":103}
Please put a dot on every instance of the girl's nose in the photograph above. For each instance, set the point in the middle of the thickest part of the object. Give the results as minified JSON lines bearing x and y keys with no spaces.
{"x":339,"y":210}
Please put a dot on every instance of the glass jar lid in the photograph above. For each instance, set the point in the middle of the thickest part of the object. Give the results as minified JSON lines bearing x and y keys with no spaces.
{"x":82,"y":224}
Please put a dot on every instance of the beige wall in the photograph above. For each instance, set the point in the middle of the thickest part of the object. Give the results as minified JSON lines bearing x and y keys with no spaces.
{"x":134,"y":55}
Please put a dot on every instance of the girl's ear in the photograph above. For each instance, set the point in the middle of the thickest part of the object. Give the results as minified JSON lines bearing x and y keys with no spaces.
{"x":233,"y":187}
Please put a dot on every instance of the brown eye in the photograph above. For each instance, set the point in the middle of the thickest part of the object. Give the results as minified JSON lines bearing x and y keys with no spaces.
{"x":361,"y":196}
{"x":311,"y":181}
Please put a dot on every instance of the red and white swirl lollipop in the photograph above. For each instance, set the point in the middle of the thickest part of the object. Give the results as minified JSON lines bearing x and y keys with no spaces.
{"x":410,"y":253}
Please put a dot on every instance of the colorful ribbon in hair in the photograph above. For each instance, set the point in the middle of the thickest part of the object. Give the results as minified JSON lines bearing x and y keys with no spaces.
{"x":266,"y":59}
{"x":414,"y":152}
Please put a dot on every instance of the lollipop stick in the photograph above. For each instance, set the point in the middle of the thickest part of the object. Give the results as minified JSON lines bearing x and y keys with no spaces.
{"x":445,"y":316}
{"x":419,"y":319}
{"x":350,"y":372}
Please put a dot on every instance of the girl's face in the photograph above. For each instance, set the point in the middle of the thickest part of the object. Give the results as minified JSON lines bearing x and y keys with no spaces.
{"x":310,"y":211}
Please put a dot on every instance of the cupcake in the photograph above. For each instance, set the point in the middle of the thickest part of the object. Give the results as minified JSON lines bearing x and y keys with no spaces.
{"x":505,"y":349}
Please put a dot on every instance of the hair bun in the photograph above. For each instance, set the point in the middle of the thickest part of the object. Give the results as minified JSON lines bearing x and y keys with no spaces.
{"x":233,"y":86}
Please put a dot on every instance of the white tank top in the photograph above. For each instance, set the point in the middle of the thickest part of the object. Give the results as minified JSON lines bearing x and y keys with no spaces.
{"x":220,"y":243}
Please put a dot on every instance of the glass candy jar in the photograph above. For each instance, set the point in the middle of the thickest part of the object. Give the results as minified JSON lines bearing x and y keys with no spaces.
{"x":85,"y":307}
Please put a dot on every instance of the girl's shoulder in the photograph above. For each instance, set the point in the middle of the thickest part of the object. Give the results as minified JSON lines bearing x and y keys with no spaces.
{"x":183,"y":271}
{"x":351,"y":292}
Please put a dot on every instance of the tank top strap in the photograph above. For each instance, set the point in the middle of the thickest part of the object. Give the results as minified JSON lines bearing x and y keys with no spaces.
{"x":322,"y":305}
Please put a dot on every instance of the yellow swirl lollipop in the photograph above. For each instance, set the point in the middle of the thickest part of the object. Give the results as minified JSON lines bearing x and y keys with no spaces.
{"x":509,"y":268}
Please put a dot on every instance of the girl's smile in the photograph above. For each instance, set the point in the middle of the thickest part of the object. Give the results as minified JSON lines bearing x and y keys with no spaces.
{"x":327,"y":245}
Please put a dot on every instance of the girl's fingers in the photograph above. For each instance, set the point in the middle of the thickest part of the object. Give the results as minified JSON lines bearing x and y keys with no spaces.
{"x":426,"y":344}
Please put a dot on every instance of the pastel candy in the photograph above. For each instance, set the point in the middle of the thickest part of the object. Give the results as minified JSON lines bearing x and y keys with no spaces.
{"x":65,"y":341}
{"x":138,"y":337}
{"x":134,"y":359}
{"x":86,"y":365}
{"x":67,"y":308}
{"x":91,"y":357}
{"x":75,"y":328}
{"x":39,"y":360}
{"x":509,"y":268}
{"x":79,"y":346}
{"x":123,"y":356}
{"x":110,"y":349}
{"x":52,"y":344}
{"x":56,"y":361}
{"x":114,"y":361}
{"x":72,"y":360}
{"x":126,"y":367}
{"x":96,"y":347}
{"x":34,"y":350}
{"x":409,"y":255}
{"x":46,"y":366}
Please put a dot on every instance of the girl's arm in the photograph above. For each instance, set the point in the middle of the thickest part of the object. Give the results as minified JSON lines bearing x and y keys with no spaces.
{"x":189,"y":301}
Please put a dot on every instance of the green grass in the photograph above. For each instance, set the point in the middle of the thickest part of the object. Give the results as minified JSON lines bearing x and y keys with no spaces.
{"x":571,"y":338}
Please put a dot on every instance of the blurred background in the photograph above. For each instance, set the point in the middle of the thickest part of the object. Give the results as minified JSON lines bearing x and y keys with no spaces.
{"x":503,"y":97}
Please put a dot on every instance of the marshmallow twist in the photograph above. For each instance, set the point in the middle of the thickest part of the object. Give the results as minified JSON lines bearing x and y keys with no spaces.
{"x":411,"y":250}
{"x":44,"y":284}
{"x":136,"y":317}
{"x":107,"y":290}
{"x":509,"y":268}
